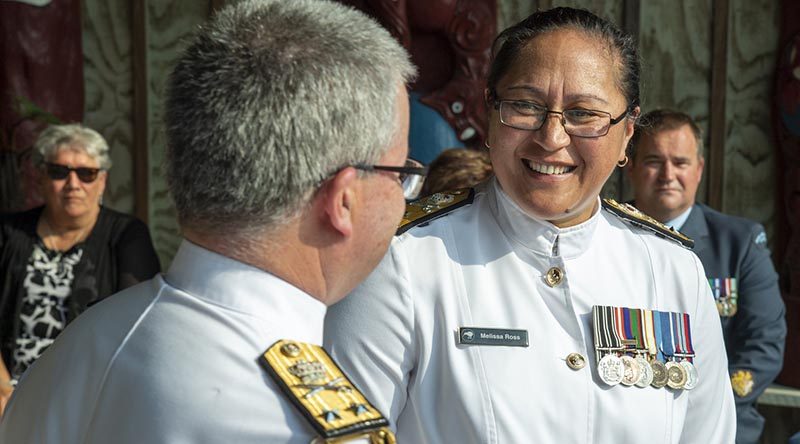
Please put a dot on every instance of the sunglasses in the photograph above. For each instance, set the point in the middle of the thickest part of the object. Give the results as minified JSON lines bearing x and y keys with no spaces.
{"x":57,"y":171}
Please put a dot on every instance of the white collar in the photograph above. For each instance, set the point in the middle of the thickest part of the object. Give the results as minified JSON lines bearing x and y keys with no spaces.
{"x":226,"y":282}
{"x":540,"y":236}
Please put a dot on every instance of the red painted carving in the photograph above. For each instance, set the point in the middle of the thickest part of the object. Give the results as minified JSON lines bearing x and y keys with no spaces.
{"x":41,"y":59}
{"x":450,"y":42}
{"x":786,"y":112}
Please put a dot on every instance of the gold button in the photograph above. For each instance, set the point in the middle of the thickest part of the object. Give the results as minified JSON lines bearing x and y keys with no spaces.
{"x":290,"y":349}
{"x":576,"y":361}
{"x":554,"y":276}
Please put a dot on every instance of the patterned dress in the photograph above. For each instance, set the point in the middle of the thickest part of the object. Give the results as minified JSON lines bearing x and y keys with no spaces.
{"x":43,"y":312}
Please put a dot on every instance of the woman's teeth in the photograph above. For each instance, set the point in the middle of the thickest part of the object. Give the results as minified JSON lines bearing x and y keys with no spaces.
{"x":548,"y":169}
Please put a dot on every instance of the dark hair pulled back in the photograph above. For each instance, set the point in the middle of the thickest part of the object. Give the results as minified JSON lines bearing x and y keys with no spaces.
{"x":508,"y":44}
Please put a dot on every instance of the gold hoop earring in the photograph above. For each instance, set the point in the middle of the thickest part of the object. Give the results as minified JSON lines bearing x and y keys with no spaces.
{"x":623,"y":162}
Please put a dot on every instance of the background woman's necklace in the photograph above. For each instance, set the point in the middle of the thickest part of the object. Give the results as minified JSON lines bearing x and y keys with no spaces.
{"x":56,"y":242}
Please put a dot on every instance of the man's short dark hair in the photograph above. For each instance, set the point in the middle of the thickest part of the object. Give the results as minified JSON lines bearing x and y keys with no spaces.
{"x":664,"y":119}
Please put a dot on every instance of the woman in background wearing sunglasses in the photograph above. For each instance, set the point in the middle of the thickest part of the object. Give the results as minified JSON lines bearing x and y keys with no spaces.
{"x":57,"y":259}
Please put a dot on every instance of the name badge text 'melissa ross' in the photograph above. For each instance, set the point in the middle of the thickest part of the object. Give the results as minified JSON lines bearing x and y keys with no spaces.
{"x":492,"y":336}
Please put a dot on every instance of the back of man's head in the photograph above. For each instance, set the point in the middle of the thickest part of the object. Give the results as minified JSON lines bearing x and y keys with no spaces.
{"x":269,"y":99}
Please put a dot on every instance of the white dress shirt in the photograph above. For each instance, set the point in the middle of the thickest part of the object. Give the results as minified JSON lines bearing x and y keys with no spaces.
{"x":171,"y":360}
{"x":483,"y":265}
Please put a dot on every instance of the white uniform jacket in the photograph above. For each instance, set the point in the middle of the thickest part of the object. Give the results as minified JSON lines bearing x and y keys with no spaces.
{"x":171,"y":360}
{"x":483,"y":265}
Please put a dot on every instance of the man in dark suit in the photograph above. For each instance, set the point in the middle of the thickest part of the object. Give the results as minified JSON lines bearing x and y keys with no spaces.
{"x":666,"y":169}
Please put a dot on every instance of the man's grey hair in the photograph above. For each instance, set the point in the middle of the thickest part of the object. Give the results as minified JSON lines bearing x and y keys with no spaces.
{"x":73,"y":136}
{"x":271,"y":98}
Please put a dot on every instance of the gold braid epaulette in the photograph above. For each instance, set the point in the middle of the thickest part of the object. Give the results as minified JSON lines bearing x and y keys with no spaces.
{"x":310,"y":378}
{"x":428,"y":208}
{"x":632,"y":215}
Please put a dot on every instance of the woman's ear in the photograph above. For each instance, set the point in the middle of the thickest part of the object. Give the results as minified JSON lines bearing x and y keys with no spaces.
{"x":630,"y":123}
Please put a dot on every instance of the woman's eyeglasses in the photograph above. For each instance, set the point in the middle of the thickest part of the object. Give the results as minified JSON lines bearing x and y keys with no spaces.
{"x":57,"y":171}
{"x":528,"y":116}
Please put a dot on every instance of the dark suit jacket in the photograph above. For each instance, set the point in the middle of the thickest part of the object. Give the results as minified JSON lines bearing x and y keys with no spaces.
{"x":734,"y":247}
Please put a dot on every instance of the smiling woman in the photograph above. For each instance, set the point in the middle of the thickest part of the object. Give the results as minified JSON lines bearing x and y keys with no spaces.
{"x":618,"y":333}
{"x":57,"y":259}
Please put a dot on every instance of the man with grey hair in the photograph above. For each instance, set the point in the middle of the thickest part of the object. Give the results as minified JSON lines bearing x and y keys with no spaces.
{"x":287,"y":124}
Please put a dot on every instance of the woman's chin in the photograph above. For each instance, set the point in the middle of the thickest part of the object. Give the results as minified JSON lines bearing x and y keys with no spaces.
{"x":559,"y":212}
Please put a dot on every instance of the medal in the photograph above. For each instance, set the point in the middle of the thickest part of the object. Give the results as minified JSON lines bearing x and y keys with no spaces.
{"x":631,"y":371}
{"x":676,"y":375}
{"x":606,"y":339}
{"x":638,"y":330}
{"x":726,"y":295}
{"x":691,"y":375}
{"x":659,"y":374}
{"x":646,"y":377}
{"x":688,"y":352}
{"x":611,"y":369}
{"x":606,"y":343}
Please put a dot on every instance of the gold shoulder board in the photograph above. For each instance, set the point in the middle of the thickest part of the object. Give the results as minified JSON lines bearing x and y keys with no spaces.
{"x":632,"y":215}
{"x":428,"y":208}
{"x":310,"y":378}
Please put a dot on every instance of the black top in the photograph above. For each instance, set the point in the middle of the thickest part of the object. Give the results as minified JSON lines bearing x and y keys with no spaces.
{"x":118,"y":253}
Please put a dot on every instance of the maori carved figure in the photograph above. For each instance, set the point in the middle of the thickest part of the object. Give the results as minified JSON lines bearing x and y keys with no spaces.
{"x":787,"y":131}
{"x":450,"y":42}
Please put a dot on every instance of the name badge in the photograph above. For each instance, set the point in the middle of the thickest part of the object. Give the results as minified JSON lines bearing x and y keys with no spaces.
{"x":492,"y":336}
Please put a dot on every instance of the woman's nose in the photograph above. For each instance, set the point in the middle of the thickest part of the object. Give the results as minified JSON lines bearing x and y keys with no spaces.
{"x":72,"y":179}
{"x":553,"y":135}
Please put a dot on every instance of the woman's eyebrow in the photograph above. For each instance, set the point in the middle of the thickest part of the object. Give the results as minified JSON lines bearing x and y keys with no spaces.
{"x":569,"y":97}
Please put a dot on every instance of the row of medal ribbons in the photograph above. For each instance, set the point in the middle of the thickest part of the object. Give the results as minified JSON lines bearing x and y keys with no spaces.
{"x":640,"y":347}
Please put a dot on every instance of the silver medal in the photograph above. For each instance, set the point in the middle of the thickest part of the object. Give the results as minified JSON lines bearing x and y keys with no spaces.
{"x":646,"y":377}
{"x":691,"y":375}
{"x":610,"y":369}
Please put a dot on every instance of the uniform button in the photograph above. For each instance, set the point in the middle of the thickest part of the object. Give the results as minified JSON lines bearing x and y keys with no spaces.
{"x":290,"y":349}
{"x":576,"y":361}
{"x":554,"y":276}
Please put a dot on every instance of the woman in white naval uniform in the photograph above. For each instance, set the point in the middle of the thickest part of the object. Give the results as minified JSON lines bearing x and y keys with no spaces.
{"x":563,"y":96}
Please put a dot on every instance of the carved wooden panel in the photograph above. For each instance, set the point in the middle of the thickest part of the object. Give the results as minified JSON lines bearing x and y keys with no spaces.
{"x":750,"y":179}
{"x":107,"y":79}
{"x":169,"y":23}
{"x":675,"y":46}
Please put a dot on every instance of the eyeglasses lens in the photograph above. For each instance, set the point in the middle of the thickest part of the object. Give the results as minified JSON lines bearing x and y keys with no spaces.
{"x":412,"y":183}
{"x":577,"y":122}
{"x":61,"y":172}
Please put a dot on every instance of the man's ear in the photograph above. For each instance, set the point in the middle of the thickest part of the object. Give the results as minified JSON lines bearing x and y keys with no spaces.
{"x":701,"y":163}
{"x":339,"y":197}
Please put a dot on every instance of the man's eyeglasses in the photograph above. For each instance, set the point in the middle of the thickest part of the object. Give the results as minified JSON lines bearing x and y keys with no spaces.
{"x":57,"y":171}
{"x":578,"y":122}
{"x":410,"y":176}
